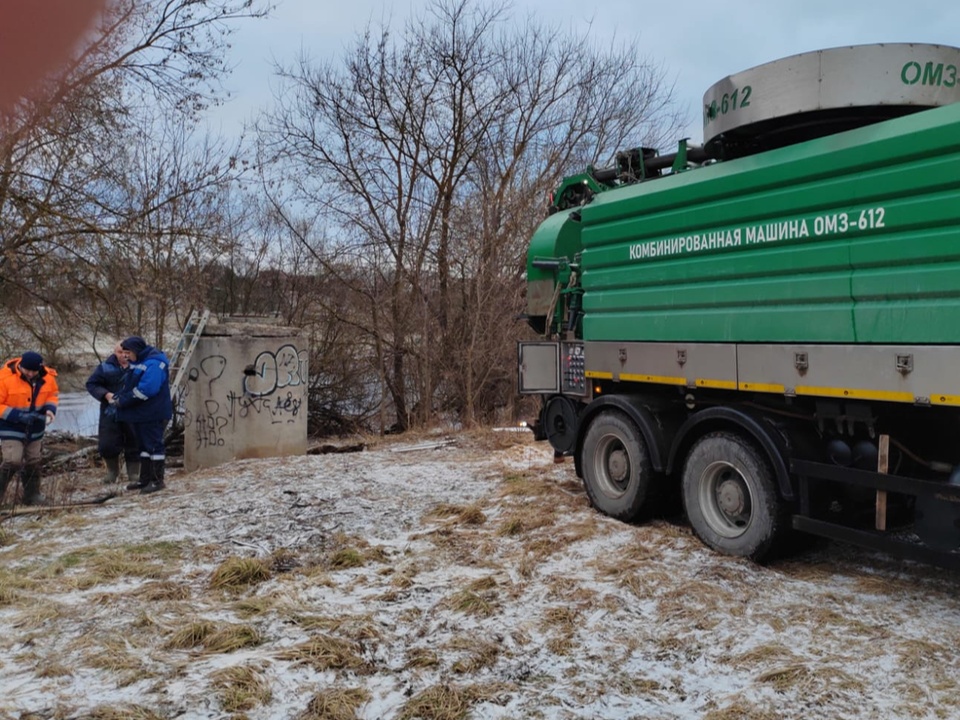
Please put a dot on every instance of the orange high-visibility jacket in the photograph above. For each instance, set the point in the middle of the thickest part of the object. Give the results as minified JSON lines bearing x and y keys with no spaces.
{"x":18,"y":394}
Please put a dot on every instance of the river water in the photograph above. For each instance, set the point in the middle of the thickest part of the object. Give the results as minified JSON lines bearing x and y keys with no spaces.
{"x":77,"y":414}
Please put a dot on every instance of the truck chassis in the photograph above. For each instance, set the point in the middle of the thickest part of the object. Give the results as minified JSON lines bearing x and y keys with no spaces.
{"x":751,"y":454}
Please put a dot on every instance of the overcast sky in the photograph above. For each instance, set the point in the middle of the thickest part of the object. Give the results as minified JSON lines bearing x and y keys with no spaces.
{"x":698,"y":42}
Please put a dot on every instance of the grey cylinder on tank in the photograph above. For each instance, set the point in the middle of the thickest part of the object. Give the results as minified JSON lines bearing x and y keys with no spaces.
{"x":825,"y":91}
{"x":245,"y":394}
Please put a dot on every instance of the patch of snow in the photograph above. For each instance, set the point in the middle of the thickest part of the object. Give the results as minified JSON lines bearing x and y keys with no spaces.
{"x":586,"y":618}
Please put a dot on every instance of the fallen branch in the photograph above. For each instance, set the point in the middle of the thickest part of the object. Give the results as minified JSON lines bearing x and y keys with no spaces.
{"x":37,"y":509}
{"x":436,"y":445}
{"x":81,"y":454}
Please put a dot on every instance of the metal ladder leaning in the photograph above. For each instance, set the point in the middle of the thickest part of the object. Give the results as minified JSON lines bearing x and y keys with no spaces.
{"x":180,"y":358}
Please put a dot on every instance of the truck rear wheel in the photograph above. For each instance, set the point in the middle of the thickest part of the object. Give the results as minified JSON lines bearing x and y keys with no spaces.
{"x":730,"y":496}
{"x":616,"y":466}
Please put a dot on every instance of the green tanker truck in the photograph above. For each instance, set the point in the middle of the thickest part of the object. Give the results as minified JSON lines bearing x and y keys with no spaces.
{"x":767,"y":327}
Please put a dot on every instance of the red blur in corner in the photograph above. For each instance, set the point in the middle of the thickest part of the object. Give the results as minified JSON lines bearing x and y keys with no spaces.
{"x":37,"y":37}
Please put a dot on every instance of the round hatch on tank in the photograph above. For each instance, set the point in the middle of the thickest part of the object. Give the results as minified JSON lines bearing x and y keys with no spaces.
{"x":819,"y":93}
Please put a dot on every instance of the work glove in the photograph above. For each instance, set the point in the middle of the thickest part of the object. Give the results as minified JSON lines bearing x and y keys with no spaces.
{"x":50,"y":417}
{"x":110,"y":412}
{"x":32,"y":418}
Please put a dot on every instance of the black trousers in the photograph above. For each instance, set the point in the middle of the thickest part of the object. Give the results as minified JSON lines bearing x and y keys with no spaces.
{"x":115,"y":438}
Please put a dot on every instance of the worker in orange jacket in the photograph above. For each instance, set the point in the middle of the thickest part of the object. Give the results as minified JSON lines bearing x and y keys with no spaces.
{"x":28,"y":403}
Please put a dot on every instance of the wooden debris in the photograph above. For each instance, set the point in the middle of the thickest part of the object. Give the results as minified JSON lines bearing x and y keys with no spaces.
{"x":326,"y":449}
{"x":37,"y":509}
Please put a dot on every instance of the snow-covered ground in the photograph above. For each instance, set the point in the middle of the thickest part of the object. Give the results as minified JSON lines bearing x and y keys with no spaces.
{"x":467,"y":579}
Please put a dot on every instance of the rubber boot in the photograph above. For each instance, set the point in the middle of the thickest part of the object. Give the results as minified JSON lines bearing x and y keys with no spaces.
{"x":133,"y":470}
{"x":145,"y":475}
{"x":156,"y":484}
{"x":7,"y":471}
{"x":31,"y":486}
{"x":113,"y":470}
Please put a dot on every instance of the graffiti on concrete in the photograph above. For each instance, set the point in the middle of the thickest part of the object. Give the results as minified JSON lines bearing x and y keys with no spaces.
{"x":269,"y":391}
{"x":274,"y":371}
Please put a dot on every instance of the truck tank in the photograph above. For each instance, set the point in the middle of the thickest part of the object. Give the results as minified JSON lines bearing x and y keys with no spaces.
{"x":792,"y":288}
{"x":845,"y":239}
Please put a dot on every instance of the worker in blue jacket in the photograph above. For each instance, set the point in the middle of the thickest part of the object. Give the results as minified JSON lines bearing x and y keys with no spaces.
{"x":145,"y":403}
{"x":114,"y":438}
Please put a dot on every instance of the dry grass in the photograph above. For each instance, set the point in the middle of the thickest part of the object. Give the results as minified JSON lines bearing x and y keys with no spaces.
{"x":239,"y":573}
{"x":527,"y":519}
{"x":164,"y":550}
{"x":163,"y":590}
{"x":87,"y":567}
{"x":528,"y":563}
{"x":444,"y":510}
{"x":213,"y":638}
{"x":230,"y":638}
{"x":283,"y":560}
{"x":921,"y":654}
{"x":68,"y":561}
{"x":488,"y":440}
{"x":562,"y":618}
{"x":354,"y":627}
{"x":638,"y":686}
{"x":113,"y":653}
{"x":646,"y":593}
{"x":403,"y":579}
{"x":571,"y":591}
{"x":472,"y":603}
{"x":346,"y":551}
{"x":192,"y":635}
{"x":579,"y":530}
{"x":446,"y":702}
{"x":740,"y":710}
{"x":335,"y":704}
{"x":811,"y":681}
{"x":112,"y":565}
{"x":440,"y":702}
{"x":787,"y":677}
{"x":240,"y":688}
{"x":254,"y":606}
{"x":472,"y":515}
{"x":421,"y":658}
{"x":39,"y":613}
{"x":346,"y":558}
{"x":703,"y":605}
{"x":480,"y":654}
{"x":834,"y":623}
{"x":765,"y":655}
{"x":325,"y":652}
{"x":8,"y":594}
{"x":53,"y":669}
{"x":645,"y":585}
{"x":525,"y":484}
{"x":123,"y":712}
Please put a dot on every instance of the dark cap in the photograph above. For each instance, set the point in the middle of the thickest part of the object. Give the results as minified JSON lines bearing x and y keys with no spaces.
{"x":31,"y":361}
{"x":134,"y":344}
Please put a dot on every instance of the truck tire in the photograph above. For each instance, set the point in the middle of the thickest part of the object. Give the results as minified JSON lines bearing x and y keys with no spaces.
{"x":616,"y":466}
{"x":730,"y":497}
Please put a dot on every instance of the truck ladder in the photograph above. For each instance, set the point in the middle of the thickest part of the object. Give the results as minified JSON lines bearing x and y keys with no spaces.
{"x":180,"y":358}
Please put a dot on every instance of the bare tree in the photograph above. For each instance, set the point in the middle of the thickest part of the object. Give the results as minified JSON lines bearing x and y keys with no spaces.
{"x":65,"y":152}
{"x":178,"y":215}
{"x":428,"y":158}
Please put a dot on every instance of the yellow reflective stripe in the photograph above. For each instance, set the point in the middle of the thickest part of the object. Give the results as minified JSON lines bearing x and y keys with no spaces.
{"x":599,"y":375}
{"x":763,"y":387}
{"x":886,"y":395}
{"x":659,"y":379}
{"x":717,"y":384}
{"x":945,"y":399}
